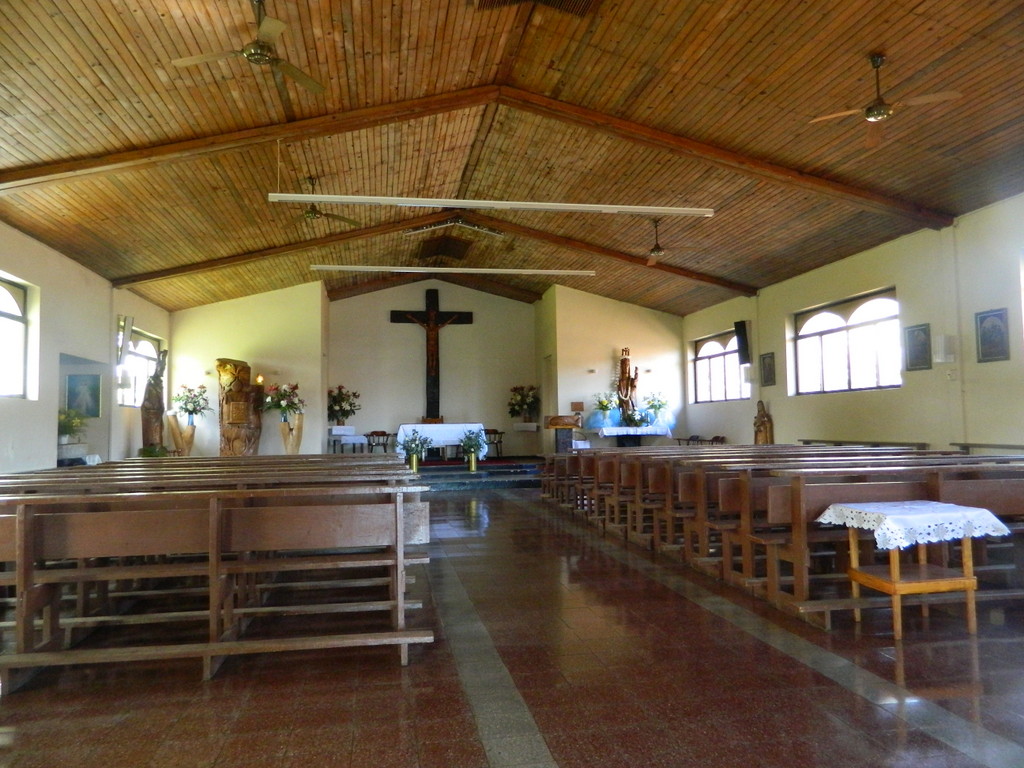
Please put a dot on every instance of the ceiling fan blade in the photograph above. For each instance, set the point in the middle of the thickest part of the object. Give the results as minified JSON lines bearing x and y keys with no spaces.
{"x":345,"y":219}
{"x":298,"y":76}
{"x":929,"y":98}
{"x":845,"y":113}
{"x":270,"y":29}
{"x":204,"y":58}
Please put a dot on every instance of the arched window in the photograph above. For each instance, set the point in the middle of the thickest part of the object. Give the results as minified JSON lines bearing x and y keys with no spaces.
{"x":13,"y":339}
{"x":851,"y":345}
{"x":138,"y":364}
{"x":717,"y":374}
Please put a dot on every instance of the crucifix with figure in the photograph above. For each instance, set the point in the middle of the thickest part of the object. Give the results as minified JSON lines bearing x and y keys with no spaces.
{"x":432,"y":320}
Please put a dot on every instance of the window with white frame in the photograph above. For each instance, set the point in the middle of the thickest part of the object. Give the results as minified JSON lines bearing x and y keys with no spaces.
{"x":138,"y":363}
{"x":850,"y":345}
{"x":13,"y":339}
{"x":717,"y":373}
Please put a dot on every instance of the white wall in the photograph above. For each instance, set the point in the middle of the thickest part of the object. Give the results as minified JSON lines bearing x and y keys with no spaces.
{"x":941,"y":278}
{"x":591,"y":332}
{"x":73,"y":311}
{"x":279,"y":334}
{"x":386,"y":362}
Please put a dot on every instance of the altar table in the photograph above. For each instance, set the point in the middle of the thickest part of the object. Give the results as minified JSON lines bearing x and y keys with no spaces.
{"x":900,"y":524}
{"x":440,"y":434}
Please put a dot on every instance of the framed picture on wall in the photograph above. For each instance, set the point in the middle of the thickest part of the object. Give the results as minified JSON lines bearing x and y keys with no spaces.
{"x":83,"y":394}
{"x":917,"y":346}
{"x":768,"y":369}
{"x":993,"y":335}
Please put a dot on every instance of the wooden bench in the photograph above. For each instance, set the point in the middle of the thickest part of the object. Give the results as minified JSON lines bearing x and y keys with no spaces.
{"x":223,"y":546}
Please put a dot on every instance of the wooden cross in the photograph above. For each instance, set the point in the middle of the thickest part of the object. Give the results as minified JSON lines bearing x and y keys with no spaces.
{"x":432,"y":320}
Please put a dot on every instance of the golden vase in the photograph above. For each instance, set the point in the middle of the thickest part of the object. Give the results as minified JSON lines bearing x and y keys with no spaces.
{"x":291,"y":433}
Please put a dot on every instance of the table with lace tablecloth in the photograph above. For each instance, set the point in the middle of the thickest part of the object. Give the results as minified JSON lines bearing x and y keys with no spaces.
{"x":900,"y":524}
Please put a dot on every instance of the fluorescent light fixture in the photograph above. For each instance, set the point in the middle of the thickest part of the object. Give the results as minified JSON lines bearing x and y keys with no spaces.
{"x":453,"y":270}
{"x":454,"y":221}
{"x":508,"y":205}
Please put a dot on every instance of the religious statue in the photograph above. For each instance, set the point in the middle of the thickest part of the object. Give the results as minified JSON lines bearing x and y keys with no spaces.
{"x":241,"y":409}
{"x":764,"y":429}
{"x":153,"y":406}
{"x":626,"y":388}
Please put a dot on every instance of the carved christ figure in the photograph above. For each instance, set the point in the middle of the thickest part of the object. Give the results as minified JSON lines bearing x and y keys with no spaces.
{"x":432,"y":320}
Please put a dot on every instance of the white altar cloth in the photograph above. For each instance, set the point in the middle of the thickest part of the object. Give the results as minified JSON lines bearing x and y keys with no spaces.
{"x":440,"y":434}
{"x":651,"y":430}
{"x":898,"y":524}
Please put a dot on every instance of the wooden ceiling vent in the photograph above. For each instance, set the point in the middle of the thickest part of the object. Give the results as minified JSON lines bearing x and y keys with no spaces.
{"x":577,"y":7}
{"x":444,"y":247}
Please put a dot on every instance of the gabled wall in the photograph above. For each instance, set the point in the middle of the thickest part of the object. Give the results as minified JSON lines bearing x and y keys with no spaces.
{"x":386,"y":362}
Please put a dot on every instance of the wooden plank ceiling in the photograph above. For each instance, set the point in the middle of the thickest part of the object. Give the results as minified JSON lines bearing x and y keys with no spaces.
{"x":156,"y":176}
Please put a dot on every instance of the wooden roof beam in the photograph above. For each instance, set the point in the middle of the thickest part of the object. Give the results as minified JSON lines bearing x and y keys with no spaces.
{"x":281,"y":250}
{"x":733,"y":161}
{"x":607,"y":253}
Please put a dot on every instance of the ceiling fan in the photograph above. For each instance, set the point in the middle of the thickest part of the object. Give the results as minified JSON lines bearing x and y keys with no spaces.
{"x":880,"y":110}
{"x":312,"y":213}
{"x":260,"y":51}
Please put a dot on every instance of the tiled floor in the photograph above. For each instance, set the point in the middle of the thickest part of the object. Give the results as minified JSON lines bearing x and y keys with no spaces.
{"x":556,"y":648}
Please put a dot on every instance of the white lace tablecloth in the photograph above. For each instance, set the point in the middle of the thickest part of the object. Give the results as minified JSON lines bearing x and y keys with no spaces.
{"x":898,"y":524}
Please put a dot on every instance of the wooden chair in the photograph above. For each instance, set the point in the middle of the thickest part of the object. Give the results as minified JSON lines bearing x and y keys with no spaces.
{"x":377,"y":439}
{"x":493,"y":437}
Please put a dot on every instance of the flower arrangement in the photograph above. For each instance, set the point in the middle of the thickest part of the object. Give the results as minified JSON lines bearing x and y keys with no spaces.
{"x":193,"y":402}
{"x":655,"y":403}
{"x":284,"y":398}
{"x":416,"y":444}
{"x":636,"y":419}
{"x":525,"y":400}
{"x":341,"y":403}
{"x":605,"y":401}
{"x":472,"y":442}
{"x":70,"y":423}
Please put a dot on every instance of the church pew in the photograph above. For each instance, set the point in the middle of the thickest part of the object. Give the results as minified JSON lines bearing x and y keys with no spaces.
{"x":219,"y":539}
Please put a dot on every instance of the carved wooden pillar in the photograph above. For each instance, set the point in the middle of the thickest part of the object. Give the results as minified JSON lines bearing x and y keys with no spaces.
{"x":241,"y":409}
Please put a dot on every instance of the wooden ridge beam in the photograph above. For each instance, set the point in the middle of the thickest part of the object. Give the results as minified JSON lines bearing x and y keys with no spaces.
{"x":281,"y":250}
{"x":608,"y":253}
{"x":749,"y":166}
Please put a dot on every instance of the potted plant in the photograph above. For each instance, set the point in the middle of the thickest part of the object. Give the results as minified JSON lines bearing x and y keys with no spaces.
{"x":472,"y":443}
{"x":70,"y":424}
{"x":524,"y":401}
{"x":415,"y":446}
{"x":341,"y":404}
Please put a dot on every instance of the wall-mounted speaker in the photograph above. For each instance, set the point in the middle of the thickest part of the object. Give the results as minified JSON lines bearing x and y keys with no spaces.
{"x":742,"y":342}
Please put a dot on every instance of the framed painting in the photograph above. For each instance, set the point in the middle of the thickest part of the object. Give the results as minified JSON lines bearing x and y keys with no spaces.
{"x":993,"y":335}
{"x":917,"y":346}
{"x":83,"y":394}
{"x":768,"y":369}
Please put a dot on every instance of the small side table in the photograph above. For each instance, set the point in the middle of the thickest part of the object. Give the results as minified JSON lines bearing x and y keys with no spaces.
{"x":900,"y":524}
